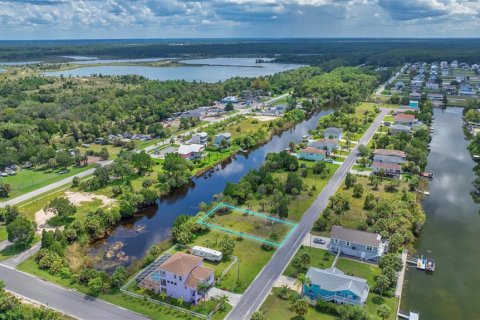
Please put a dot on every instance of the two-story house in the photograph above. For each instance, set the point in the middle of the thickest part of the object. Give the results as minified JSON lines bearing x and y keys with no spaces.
{"x":332,"y":133}
{"x":199,"y":138}
{"x":389,"y":161}
{"x":360,"y":244}
{"x":335,"y":286}
{"x":191,"y":151}
{"x":324,"y":144}
{"x":405,"y":119}
{"x":223,"y":140}
{"x":179,"y":277}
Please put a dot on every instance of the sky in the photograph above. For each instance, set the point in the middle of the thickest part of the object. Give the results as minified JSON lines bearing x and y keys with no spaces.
{"x":100,"y":19}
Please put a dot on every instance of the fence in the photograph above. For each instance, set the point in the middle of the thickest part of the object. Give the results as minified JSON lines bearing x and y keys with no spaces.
{"x":124,"y":288}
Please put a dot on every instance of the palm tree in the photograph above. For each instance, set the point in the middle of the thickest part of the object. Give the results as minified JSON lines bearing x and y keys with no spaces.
{"x":222,"y":301}
{"x":202,"y":289}
{"x":163,"y":296}
{"x":303,"y":281}
{"x":284,"y":290}
{"x":305,"y":259}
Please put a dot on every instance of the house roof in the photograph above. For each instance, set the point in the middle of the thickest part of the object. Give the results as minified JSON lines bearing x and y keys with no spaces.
{"x":201,"y":134}
{"x":332,"y":130}
{"x":356,"y":236}
{"x":180,"y":263}
{"x":401,"y":127}
{"x":389,"y":152}
{"x":404,"y":117}
{"x":335,"y":280}
{"x":189,"y":148}
{"x":226,"y":135}
{"x":313,"y":150}
{"x":383,"y":165}
{"x":198,"y":274}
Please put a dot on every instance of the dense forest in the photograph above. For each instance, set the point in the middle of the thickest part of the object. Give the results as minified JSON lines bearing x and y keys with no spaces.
{"x":40,"y":116}
{"x":325,"y":53}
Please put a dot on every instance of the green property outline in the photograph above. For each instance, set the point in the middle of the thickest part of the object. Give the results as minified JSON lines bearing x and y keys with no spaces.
{"x":201,"y":220}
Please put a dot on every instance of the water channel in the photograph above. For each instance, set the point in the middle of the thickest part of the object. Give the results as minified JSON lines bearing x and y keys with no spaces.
{"x":451,"y":233}
{"x":153,"y":224}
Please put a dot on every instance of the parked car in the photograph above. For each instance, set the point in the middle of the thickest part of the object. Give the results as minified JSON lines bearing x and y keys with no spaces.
{"x":328,"y":160}
{"x":319,"y":241}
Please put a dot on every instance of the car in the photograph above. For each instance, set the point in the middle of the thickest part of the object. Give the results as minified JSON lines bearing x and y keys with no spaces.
{"x":328,"y":160}
{"x":319,"y":241}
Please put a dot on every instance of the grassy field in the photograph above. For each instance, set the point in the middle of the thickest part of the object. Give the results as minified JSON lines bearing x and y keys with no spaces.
{"x":322,"y":259}
{"x":151,"y":310}
{"x":250,"y":225}
{"x":28,"y":180}
{"x":3,"y":232}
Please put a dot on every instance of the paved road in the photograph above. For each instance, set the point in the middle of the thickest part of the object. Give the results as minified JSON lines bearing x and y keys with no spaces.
{"x":260,"y":288}
{"x":22,"y":256}
{"x":380,"y":89}
{"x":69,"y":302}
{"x":50,"y":187}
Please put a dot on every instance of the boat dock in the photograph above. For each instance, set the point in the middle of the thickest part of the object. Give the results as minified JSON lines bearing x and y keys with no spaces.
{"x":422,"y":263}
{"x":410,"y":316}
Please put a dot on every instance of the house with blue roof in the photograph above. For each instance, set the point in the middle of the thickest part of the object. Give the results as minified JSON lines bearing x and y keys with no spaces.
{"x":333,"y":285}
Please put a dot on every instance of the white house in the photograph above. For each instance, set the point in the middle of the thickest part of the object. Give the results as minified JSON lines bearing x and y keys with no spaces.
{"x":179,"y":277}
{"x":199,"y":138}
{"x":191,"y":151}
{"x":389,"y":156}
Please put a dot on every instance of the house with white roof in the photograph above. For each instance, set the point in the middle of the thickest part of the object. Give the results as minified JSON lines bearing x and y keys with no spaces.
{"x":191,"y":151}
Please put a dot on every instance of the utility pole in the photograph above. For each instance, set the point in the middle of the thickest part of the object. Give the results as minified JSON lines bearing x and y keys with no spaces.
{"x":238,"y":271}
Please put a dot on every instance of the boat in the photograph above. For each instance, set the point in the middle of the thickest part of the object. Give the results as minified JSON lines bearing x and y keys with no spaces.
{"x":430,"y":265}
{"x":421,"y":263}
{"x":428,"y":175}
{"x":306,"y":137}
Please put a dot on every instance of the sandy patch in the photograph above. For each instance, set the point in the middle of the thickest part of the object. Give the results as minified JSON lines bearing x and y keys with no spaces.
{"x":264,"y":118}
{"x":77,"y":198}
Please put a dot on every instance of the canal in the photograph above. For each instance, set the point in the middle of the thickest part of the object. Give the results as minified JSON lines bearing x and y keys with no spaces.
{"x":153,"y":225}
{"x":451,"y":233}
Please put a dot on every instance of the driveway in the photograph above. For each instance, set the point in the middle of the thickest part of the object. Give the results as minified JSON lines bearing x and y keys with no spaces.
{"x":308,"y":241}
{"x":21,"y":257}
{"x":233,"y":298}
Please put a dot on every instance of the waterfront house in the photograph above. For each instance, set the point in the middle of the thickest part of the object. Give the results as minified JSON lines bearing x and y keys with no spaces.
{"x":405,"y":119}
{"x":431,"y":85}
{"x":312,"y":154}
{"x":389,"y":156}
{"x":413,"y":104}
{"x":435,"y":96}
{"x":199,"y":138}
{"x":335,"y":286}
{"x":449,"y":88}
{"x":332,"y":133}
{"x":223,"y":140}
{"x":360,"y":244}
{"x":466,"y":90}
{"x":399,"y":128}
{"x":191,"y":151}
{"x":393,"y":170}
{"x":179,"y":277}
{"x":324,"y":144}
{"x":415,"y":96}
{"x":230,"y":99}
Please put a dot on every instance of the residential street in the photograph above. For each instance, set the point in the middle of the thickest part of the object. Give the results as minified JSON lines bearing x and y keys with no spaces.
{"x":260,"y":288}
{"x":67,"y":301}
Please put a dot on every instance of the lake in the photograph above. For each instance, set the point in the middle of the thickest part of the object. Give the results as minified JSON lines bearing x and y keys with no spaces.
{"x":451,"y":233}
{"x":153,"y":225}
{"x":217,"y":69}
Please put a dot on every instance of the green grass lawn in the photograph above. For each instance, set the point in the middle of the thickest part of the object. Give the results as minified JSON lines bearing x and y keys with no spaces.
{"x":151,"y":310}
{"x":3,"y":232}
{"x":275,"y":308}
{"x":28,"y":180}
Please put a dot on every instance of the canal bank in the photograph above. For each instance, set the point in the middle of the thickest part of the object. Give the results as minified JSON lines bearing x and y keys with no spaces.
{"x":452,"y":231}
{"x":152,"y":225}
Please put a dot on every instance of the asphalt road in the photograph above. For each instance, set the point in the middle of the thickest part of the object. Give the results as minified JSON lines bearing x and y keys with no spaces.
{"x":49,"y":188}
{"x":67,"y":301}
{"x":260,"y":288}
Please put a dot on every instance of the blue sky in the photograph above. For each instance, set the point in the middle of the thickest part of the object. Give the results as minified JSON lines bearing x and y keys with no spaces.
{"x":83,"y":19}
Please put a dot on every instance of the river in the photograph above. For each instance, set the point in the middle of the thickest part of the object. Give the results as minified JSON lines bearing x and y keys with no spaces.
{"x":153,"y":225}
{"x":205,"y":70}
{"x":452,"y":230}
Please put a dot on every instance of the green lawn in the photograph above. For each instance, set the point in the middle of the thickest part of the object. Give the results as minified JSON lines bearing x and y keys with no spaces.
{"x":318,"y":258}
{"x":275,"y":308}
{"x":151,"y":310}
{"x":28,"y":180}
{"x":3,"y":232}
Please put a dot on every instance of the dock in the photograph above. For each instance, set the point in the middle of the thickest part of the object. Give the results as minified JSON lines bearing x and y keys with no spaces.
{"x":422,"y":263}
{"x":410,"y":316}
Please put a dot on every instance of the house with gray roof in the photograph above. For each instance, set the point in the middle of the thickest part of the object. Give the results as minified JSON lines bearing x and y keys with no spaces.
{"x":335,"y":286}
{"x":332,"y":133}
{"x":360,"y":244}
{"x":399,"y":128}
